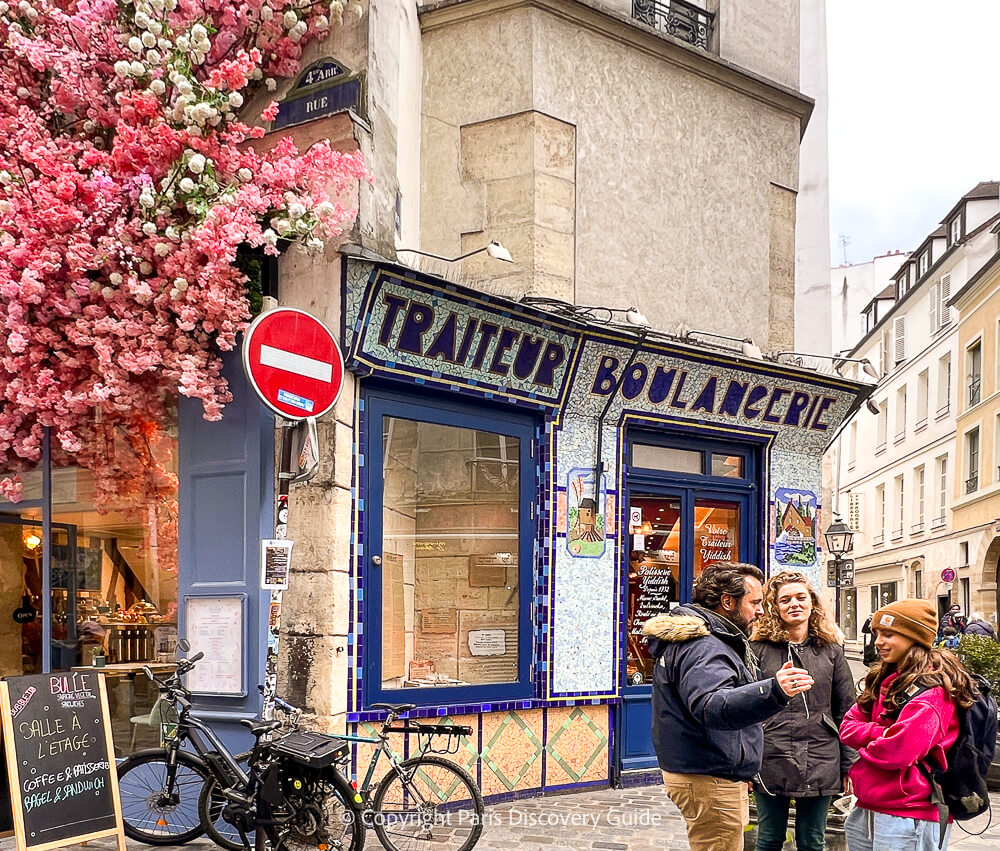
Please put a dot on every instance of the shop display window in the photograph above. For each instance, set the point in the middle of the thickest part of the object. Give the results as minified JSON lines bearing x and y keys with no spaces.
{"x":109,"y":565}
{"x":453,"y":596}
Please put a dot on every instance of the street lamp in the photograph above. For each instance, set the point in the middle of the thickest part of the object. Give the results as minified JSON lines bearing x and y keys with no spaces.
{"x":839,"y":539}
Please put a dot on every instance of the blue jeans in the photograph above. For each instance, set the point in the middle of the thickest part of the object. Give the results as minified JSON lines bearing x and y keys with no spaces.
{"x":868,"y":831}
{"x":772,"y":821}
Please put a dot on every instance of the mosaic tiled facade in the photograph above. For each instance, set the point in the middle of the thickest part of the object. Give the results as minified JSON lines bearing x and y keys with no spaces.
{"x":422,"y":332}
{"x":515,"y":752}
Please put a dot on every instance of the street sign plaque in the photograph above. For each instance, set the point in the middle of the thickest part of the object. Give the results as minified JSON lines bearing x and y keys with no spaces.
{"x":293,"y":362}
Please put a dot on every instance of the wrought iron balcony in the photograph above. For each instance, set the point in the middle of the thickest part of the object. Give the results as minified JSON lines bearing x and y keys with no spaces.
{"x":972,"y":483}
{"x":975,"y":386}
{"x":678,"y":18}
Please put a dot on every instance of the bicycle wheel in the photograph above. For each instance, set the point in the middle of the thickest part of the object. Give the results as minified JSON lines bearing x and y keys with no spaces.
{"x":151,"y":812}
{"x":426,"y":802}
{"x":210,"y":806}
{"x":315,"y":818}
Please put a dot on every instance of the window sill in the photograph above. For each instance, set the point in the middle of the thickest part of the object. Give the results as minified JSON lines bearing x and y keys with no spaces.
{"x":850,"y":466}
{"x":880,"y":449}
{"x":942,"y":413}
{"x":878,"y":541}
{"x":917,"y":529}
{"x":897,"y":535}
{"x":899,"y":438}
{"x":937,"y":523}
{"x":921,"y":424}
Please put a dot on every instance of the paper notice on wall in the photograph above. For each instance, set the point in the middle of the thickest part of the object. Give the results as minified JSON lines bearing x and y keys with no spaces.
{"x":487,"y":642}
{"x":276,"y":560}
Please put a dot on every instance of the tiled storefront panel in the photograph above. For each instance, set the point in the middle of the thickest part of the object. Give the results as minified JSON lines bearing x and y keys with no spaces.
{"x":576,"y":745}
{"x":511,"y":752}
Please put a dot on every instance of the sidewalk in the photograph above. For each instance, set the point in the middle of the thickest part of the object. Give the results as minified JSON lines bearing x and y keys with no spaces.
{"x":637,"y":819}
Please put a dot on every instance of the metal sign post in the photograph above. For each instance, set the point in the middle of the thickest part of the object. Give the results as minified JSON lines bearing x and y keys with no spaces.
{"x":295,"y":366}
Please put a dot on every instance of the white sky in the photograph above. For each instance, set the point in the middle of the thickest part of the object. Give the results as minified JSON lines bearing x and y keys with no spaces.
{"x":914,"y":116}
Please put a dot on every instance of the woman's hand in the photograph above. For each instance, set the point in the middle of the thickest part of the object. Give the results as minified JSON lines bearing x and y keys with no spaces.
{"x":792,"y":680}
{"x":846,"y":784}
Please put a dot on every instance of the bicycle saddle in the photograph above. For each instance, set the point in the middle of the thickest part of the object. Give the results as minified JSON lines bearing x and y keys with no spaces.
{"x":395,"y":708}
{"x":259,"y":728}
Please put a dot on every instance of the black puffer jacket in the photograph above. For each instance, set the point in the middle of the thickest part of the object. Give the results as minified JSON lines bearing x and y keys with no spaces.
{"x":707,"y":704}
{"x":803,"y":756}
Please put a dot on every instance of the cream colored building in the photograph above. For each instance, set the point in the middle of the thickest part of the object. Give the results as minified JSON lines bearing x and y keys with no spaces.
{"x":976,"y":506}
{"x":897,"y":466}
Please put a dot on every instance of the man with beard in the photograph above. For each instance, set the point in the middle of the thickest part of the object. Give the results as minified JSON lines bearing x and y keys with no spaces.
{"x":709,"y":706}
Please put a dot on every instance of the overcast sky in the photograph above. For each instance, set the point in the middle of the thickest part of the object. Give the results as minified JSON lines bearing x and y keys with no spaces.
{"x":914,"y":116}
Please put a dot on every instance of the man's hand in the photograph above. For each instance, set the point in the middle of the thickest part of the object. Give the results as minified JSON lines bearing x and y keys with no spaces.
{"x":792,"y":680}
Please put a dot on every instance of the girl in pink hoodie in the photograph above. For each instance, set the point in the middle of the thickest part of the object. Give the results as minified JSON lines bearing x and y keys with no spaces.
{"x":893,"y":731}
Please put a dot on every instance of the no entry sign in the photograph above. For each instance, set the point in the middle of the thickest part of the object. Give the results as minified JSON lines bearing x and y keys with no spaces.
{"x":293,"y":362}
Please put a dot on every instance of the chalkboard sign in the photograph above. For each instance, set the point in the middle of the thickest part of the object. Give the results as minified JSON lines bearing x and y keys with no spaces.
{"x":60,"y":759}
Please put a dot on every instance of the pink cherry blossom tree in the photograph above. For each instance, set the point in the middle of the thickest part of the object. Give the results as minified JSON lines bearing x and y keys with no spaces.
{"x":128,"y":180}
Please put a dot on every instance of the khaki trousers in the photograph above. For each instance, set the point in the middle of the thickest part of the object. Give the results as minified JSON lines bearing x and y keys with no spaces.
{"x":716,"y":811}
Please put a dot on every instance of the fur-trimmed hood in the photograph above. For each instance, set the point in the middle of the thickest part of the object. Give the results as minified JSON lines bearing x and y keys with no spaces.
{"x":688,"y":622}
{"x":675,"y":628}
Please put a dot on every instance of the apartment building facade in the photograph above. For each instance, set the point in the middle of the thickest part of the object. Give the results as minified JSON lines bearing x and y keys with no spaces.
{"x":897,"y":463}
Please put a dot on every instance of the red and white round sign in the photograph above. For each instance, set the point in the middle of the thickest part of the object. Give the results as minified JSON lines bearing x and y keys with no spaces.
{"x":293,"y":362}
{"x":948,"y":574}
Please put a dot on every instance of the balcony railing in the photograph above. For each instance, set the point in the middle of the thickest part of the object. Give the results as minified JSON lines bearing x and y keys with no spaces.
{"x":897,"y":533}
{"x":972,"y":483}
{"x":975,"y":386}
{"x":917,"y":528}
{"x":938,"y":521}
{"x":878,"y":540}
{"x":677,"y":18}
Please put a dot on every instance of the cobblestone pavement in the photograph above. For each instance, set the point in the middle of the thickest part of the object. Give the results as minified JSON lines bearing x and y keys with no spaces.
{"x":638,"y":819}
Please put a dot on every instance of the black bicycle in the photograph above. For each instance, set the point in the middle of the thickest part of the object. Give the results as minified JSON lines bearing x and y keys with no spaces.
{"x":285,"y":785}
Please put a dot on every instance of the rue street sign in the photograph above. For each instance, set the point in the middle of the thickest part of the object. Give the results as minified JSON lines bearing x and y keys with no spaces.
{"x":293,"y":363}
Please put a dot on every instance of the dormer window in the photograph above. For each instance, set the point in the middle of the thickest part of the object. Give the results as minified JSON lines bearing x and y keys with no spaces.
{"x":924,"y":263}
{"x":955,"y":230}
{"x":902,"y":284}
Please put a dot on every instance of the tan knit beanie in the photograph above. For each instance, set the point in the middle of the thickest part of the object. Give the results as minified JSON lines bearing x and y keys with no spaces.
{"x":915,"y":619}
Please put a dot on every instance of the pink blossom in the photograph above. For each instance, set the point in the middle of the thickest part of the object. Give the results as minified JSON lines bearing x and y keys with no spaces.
{"x":97,"y":336}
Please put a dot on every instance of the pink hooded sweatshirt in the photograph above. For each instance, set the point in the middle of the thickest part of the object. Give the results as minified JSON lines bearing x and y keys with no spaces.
{"x":886,"y":778}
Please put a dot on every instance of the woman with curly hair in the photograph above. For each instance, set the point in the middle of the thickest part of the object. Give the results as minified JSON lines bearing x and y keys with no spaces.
{"x":803,"y":757}
{"x":907,"y":713}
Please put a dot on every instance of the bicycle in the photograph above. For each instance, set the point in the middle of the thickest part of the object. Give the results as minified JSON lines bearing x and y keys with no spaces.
{"x":425,"y":798}
{"x":171,"y":796}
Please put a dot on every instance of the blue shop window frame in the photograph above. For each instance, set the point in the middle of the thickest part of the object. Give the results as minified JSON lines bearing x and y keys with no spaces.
{"x":378,"y":405}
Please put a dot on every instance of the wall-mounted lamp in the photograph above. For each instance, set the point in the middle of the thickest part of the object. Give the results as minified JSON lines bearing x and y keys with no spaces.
{"x":494,"y":249}
{"x":747,"y":346}
{"x":32,"y":541}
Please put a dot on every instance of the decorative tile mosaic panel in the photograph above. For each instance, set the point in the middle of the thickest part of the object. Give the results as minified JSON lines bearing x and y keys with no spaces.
{"x":576,"y":746}
{"x":511,"y":752}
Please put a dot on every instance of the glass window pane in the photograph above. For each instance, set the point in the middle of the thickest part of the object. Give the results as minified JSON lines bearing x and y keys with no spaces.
{"x":716,"y":533}
{"x":450,"y":528}
{"x":653,"y":575}
{"x":666,"y":458}
{"x":114,"y":552}
{"x":730,"y":466}
{"x":31,"y":487}
{"x":21,"y":593}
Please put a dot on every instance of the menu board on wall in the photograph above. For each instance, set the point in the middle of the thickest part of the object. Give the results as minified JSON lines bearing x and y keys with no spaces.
{"x":214,"y":626}
{"x":60,"y":760}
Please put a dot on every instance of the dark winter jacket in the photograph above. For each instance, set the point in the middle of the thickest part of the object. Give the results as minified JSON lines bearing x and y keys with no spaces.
{"x":803,"y":756}
{"x":707,"y":705}
{"x":980,"y":627}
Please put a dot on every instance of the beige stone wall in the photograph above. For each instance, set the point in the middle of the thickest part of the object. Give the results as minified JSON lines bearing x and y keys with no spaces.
{"x":761,"y":36}
{"x":673,"y":174}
